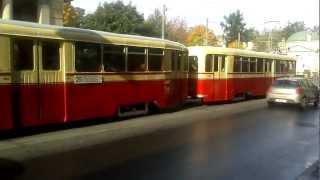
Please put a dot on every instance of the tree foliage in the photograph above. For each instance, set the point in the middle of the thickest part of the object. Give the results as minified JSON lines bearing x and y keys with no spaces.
{"x":292,"y":28}
{"x":233,"y":25}
{"x":71,"y":15}
{"x":177,"y":30}
{"x":197,"y":36}
{"x":114,"y":17}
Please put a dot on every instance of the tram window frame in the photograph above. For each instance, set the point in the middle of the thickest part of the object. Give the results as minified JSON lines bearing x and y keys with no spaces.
{"x":245,"y":65}
{"x":180,"y":61}
{"x":96,"y":53}
{"x":174,"y":60}
{"x":237,"y":65}
{"x":155,"y":55}
{"x":54,"y":65}
{"x":116,"y":55}
{"x":260,"y":65}
{"x":23,"y":65}
{"x":253,"y":65}
{"x":139,"y":64}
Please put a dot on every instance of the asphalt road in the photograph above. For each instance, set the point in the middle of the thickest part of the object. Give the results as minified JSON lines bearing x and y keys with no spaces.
{"x":233,"y":141}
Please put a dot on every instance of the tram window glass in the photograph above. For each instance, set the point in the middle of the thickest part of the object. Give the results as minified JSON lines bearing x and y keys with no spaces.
{"x":185,"y":62}
{"x":113,"y":58}
{"x":216,"y":63}
{"x":253,"y":65}
{"x":208,"y":65}
{"x":174,"y":60}
{"x":167,"y":60}
{"x":50,"y":55}
{"x":237,"y":64}
{"x":155,"y":59}
{"x":223,"y":63}
{"x":136,"y":59}
{"x":180,"y":61}
{"x":88,"y":57}
{"x":245,"y":64}
{"x":278,"y":68}
{"x":259,"y":65}
{"x":23,"y":54}
{"x":193,"y":64}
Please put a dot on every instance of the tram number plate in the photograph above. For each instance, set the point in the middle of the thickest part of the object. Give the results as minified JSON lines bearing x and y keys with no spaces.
{"x":280,"y":100}
{"x":88,"y":79}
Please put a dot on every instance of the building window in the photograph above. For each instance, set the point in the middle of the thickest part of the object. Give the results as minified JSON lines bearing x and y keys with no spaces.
{"x":155,"y":59}
{"x":114,"y":58}
{"x":88,"y":57}
{"x":136,"y":59}
{"x":50,"y":55}
{"x":25,"y":10}
{"x":23,"y":54}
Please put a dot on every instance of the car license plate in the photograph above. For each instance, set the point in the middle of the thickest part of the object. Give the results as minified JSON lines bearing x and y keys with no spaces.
{"x":281,"y":100}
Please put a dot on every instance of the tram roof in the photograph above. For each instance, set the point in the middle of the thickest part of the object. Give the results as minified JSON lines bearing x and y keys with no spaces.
{"x":236,"y":52}
{"x":29,"y":29}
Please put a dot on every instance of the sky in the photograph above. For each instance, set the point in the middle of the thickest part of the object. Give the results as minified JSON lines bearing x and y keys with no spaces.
{"x":260,"y":14}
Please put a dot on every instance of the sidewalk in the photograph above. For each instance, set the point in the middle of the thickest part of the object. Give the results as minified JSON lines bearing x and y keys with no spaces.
{"x":311,"y":173}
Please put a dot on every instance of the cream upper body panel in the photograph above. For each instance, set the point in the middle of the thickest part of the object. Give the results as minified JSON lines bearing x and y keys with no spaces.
{"x":19,"y":28}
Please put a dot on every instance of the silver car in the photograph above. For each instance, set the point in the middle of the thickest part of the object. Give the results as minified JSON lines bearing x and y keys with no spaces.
{"x":296,"y":90}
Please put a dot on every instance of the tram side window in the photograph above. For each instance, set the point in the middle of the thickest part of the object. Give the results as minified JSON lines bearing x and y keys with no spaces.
{"x":174,"y":60}
{"x":216,"y":63}
{"x":167,"y":60}
{"x":88,"y":57}
{"x":193,"y":64}
{"x":50,"y":55}
{"x":278,"y":66}
{"x":253,"y":65}
{"x":259,"y":65}
{"x":185,"y":62}
{"x":223,"y":63}
{"x":113,"y":58}
{"x":245,"y":64}
{"x":23,"y":54}
{"x":155,"y":59}
{"x":208,"y":63}
{"x":237,"y":64}
{"x":136,"y":59}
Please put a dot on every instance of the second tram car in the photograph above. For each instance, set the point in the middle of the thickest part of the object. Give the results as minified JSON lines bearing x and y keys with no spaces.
{"x":51,"y":74}
{"x":225,"y":74}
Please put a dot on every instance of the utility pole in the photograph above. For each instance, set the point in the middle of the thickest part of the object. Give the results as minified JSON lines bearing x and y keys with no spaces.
{"x":206,"y":39}
{"x":164,"y":9}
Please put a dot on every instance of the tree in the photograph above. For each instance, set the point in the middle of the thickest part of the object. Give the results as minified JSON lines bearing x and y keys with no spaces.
{"x":233,"y":25}
{"x":177,"y":30}
{"x":72,"y":15}
{"x":153,"y":24}
{"x":114,"y":17}
{"x":292,"y":28}
{"x":197,"y":36}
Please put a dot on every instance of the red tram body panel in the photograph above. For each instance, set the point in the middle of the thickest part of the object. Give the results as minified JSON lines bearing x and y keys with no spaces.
{"x":224,"y":74}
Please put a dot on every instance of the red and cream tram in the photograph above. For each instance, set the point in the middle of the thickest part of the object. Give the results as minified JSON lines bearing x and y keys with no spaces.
{"x":52,"y":75}
{"x":225,"y":74}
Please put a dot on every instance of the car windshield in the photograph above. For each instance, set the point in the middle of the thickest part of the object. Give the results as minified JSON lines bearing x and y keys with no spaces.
{"x":285,"y":83}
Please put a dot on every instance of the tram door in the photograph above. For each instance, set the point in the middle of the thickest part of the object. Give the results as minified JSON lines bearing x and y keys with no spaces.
{"x":219,"y":79}
{"x":36,"y":73}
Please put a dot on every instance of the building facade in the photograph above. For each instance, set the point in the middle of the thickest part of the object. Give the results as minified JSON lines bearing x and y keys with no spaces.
{"x":40,"y":11}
